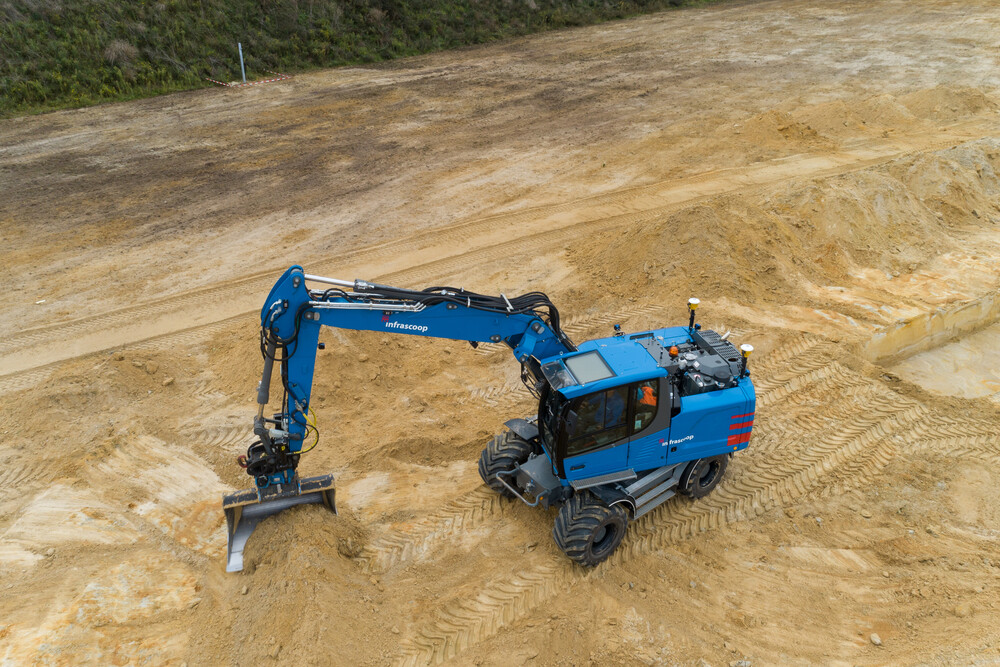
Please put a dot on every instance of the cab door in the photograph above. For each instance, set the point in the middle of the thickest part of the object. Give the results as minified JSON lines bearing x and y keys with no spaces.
{"x":596,"y":434}
{"x":650,"y":424}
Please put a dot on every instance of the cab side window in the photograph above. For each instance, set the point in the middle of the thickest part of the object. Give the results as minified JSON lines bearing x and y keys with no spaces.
{"x":600,"y":420}
{"x":647,"y":399}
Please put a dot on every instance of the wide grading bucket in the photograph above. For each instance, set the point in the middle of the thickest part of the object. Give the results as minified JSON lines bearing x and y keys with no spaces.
{"x":245,"y":509}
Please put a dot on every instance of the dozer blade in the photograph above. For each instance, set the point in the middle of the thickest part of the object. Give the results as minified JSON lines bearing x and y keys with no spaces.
{"x":245,"y":509}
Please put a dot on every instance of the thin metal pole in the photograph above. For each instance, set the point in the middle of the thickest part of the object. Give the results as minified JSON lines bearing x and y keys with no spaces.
{"x":242,"y":69}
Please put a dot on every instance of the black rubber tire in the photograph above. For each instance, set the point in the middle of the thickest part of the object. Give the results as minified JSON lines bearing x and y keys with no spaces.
{"x":587,"y":530}
{"x":502,"y":453}
{"x":703,"y":475}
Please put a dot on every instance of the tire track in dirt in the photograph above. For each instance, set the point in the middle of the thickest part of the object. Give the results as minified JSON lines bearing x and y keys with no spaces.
{"x":472,"y":510}
{"x":18,"y":474}
{"x":464,"y":623}
{"x":767,"y":367}
{"x":780,"y":476}
{"x":968,"y":440}
{"x":813,"y":364}
{"x":108,"y":320}
{"x":836,"y":462}
{"x":795,"y":383}
{"x":204,"y":391}
{"x":22,"y":380}
{"x":408,"y":544}
{"x":842,"y":402}
{"x":862,"y":469}
{"x":936,"y":434}
{"x":233,"y":298}
{"x":220,"y":437}
{"x":764,"y":487}
{"x":946,"y":429}
{"x":147,"y":489}
{"x":495,"y":396}
{"x":26,"y":379}
{"x":169,"y":483}
{"x":440,"y":526}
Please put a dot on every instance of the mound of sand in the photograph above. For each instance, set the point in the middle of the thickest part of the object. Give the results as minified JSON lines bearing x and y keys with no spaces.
{"x":842,"y":120}
{"x":758,"y":248}
{"x":947,"y":103}
{"x":326,"y":602}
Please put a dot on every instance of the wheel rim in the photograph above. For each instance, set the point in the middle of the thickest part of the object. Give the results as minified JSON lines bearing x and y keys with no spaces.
{"x":709,"y":475}
{"x":604,"y":537}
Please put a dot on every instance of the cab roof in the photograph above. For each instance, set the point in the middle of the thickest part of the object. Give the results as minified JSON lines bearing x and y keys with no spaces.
{"x":626,"y":358}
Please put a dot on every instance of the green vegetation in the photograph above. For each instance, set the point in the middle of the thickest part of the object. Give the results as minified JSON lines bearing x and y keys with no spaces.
{"x":69,"y":53}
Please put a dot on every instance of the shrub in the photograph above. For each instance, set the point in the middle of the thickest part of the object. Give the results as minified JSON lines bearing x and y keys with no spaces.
{"x":120,"y":53}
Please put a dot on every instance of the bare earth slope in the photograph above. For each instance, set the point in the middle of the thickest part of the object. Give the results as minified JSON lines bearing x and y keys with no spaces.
{"x":824,"y":176}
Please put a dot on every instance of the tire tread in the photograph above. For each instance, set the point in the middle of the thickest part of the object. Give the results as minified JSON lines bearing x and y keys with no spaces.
{"x":501,"y":454}
{"x":577,"y":522}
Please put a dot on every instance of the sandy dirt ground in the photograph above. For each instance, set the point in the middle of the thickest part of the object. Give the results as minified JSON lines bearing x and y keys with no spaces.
{"x":823,"y":176}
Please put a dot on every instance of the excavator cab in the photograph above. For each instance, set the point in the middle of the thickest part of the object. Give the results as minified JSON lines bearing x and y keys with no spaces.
{"x":623,"y":425}
{"x":600,"y":428}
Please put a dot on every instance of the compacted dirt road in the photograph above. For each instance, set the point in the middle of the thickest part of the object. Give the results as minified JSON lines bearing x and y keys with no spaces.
{"x":823,"y":176}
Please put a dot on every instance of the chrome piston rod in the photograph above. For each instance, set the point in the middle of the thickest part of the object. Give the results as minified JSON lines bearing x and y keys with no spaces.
{"x":330,"y":281}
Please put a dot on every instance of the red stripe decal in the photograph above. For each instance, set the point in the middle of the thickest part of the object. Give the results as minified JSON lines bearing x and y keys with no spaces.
{"x":749,"y":414}
{"x":741,"y":425}
{"x":739,"y":438}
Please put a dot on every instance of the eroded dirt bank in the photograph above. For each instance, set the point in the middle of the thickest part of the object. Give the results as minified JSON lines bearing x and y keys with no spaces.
{"x":825,"y":179}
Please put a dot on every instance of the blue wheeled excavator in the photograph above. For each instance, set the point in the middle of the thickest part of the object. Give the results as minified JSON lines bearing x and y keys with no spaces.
{"x":623,"y":424}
